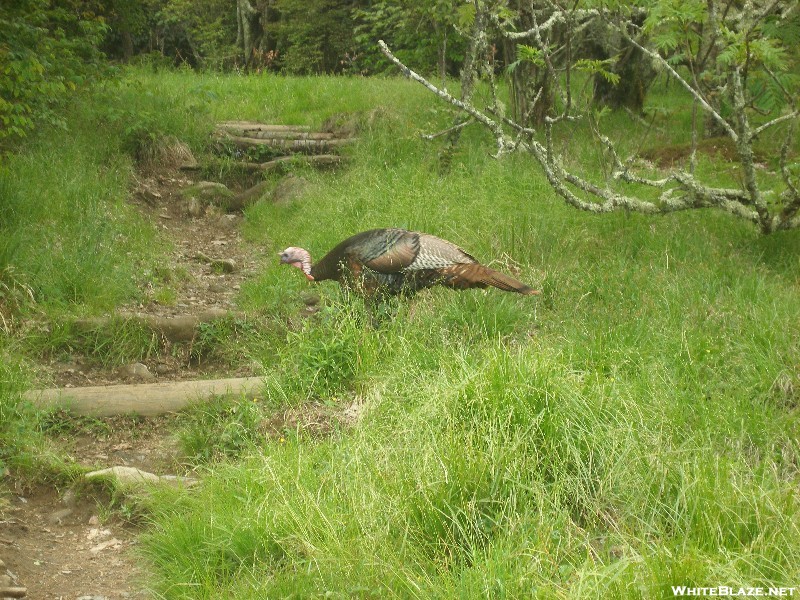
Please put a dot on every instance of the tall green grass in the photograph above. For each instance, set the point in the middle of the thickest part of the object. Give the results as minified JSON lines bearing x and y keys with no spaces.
{"x":634,"y":427}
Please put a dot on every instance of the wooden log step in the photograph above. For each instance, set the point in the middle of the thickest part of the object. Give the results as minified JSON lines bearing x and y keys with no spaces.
{"x":320,"y":161}
{"x":255,"y":126}
{"x":289,"y":145}
{"x":276,"y":135}
{"x":147,"y":399}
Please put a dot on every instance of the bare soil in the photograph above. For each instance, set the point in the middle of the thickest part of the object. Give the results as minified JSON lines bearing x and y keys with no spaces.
{"x":68,"y":544}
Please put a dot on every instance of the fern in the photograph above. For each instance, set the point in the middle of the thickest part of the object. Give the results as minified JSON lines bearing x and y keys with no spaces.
{"x":530,"y":54}
{"x":597,"y":67}
{"x":785,"y":30}
{"x":768,"y":93}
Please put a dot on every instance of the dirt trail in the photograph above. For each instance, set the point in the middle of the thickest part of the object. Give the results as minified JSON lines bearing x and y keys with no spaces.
{"x":69,"y":545}
{"x":193,"y":230}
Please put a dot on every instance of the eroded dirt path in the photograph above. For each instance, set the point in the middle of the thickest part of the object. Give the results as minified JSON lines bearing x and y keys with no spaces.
{"x":67,"y":544}
{"x":197,"y":231}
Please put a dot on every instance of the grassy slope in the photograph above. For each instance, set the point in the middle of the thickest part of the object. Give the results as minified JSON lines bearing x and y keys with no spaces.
{"x":632,"y":428}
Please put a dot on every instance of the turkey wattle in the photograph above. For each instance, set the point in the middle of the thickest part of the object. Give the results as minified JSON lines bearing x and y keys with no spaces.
{"x":396,"y":261}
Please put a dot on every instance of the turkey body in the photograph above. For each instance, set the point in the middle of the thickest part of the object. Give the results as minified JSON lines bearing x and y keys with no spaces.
{"x":401,"y":262}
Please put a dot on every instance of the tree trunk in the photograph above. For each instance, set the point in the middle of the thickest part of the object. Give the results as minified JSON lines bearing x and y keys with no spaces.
{"x":635,"y":76}
{"x":527,"y":79}
{"x":248,"y":30}
{"x":127,"y":45}
{"x":633,"y":67}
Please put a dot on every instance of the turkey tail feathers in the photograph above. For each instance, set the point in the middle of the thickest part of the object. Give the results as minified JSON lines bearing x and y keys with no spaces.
{"x":471,"y":275}
{"x":506,"y":282}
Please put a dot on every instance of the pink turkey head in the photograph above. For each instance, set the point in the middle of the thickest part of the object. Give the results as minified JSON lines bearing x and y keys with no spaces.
{"x":298,"y":257}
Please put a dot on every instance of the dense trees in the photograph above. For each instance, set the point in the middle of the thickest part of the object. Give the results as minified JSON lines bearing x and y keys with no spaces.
{"x":47,"y":49}
{"x":738,"y":63}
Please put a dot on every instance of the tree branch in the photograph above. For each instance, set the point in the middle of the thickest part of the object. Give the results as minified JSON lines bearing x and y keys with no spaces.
{"x":695,"y":94}
{"x":504,"y":143}
{"x":680,"y":190}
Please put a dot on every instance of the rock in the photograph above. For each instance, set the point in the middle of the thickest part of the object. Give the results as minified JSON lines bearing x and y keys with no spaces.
{"x":163,"y":368}
{"x":137,"y":371}
{"x":289,"y":189}
{"x":94,"y":520}
{"x":194,"y":208}
{"x":125,"y":475}
{"x":210,"y":191}
{"x":188,"y":161}
{"x":112,"y":543}
{"x":131,"y":476}
{"x":226,"y":265}
{"x":228,"y":222}
{"x":56,"y":517}
{"x":69,"y":498}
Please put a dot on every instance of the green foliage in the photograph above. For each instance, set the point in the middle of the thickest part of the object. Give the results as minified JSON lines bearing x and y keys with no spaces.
{"x":75,"y":209}
{"x":47,"y":51}
{"x":219,"y":428}
{"x":111,"y":344}
{"x":672,"y":23}
{"x":527,"y":54}
{"x":417,"y":32}
{"x":24,"y":449}
{"x":201,"y":33}
{"x":762,"y":45}
{"x":323,"y":44}
{"x":598,"y":67}
{"x":633,"y":428}
{"x":741,"y":50}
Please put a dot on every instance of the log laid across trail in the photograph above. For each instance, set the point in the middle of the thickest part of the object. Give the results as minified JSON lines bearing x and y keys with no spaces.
{"x":146,"y":399}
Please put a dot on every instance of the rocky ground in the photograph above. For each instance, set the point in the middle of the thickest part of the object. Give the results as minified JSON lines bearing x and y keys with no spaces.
{"x":67,"y":544}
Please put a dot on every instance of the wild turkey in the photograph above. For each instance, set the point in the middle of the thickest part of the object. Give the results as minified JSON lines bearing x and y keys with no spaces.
{"x":396,"y":261}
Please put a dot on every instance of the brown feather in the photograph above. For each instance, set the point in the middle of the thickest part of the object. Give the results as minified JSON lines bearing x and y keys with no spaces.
{"x":397,"y":261}
{"x":472,"y":275}
{"x":396,"y":257}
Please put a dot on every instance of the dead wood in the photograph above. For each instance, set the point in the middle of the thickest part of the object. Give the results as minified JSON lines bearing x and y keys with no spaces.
{"x":314,"y":160}
{"x":250,"y":196}
{"x":147,"y":399}
{"x":248,"y":126}
{"x":301,"y":145}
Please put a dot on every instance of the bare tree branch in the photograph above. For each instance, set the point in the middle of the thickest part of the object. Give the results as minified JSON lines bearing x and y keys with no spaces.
{"x":504,"y":143}
{"x":776,"y":121}
{"x":679,"y":189}
{"x":433,"y":136}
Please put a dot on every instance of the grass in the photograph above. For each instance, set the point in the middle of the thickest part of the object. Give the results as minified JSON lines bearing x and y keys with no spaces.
{"x":635,"y":427}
